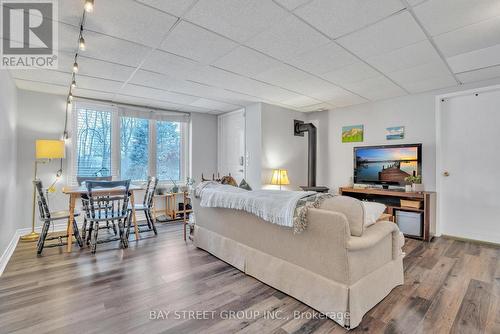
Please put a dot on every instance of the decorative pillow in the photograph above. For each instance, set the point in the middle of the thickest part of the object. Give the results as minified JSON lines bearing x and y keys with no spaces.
{"x":245,"y":185}
{"x":229,"y":180}
{"x":373,"y":210}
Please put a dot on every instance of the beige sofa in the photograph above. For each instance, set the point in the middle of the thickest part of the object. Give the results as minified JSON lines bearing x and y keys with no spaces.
{"x":336,"y":266}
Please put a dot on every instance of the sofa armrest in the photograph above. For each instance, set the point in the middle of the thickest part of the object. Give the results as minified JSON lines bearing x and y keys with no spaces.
{"x":374,"y":234}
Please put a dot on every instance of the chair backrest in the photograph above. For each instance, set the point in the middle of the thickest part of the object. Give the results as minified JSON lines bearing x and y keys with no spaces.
{"x":106,"y":199}
{"x":81,"y":179}
{"x":150,"y":191}
{"x":43,"y":206}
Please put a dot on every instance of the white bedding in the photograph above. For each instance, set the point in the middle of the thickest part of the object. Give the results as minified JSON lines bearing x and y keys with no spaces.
{"x":273,"y":206}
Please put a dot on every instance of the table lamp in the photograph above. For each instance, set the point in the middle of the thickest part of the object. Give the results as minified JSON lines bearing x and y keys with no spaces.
{"x":45,"y":150}
{"x":280,"y":177}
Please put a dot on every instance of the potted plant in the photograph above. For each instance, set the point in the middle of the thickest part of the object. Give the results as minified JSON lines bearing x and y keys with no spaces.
{"x":175,"y":187}
{"x":416,"y":183}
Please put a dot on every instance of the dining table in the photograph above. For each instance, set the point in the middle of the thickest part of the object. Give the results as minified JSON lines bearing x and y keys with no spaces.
{"x":76,"y":192}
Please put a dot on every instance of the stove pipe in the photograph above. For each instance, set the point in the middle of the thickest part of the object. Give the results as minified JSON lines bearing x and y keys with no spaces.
{"x":299,"y":128}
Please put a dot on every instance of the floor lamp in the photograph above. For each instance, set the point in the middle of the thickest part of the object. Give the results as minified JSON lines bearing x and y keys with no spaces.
{"x":280,"y":177}
{"x":45,"y":150}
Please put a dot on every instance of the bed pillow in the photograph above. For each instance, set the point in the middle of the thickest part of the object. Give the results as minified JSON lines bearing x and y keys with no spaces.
{"x":373,"y":210}
{"x":245,"y":185}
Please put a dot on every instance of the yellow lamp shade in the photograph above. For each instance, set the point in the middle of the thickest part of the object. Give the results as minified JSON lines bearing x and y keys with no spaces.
{"x":49,"y":149}
{"x":280,"y":177}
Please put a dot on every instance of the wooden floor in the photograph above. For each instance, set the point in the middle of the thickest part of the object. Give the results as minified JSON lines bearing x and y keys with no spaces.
{"x":450,"y":287}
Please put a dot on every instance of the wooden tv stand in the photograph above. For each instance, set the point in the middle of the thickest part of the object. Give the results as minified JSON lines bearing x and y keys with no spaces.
{"x":392,"y":198}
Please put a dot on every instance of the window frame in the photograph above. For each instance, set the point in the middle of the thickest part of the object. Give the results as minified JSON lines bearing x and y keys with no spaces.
{"x":116,"y":143}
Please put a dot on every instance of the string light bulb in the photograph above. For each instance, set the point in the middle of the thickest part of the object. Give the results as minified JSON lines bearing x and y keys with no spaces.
{"x":70,"y":96}
{"x":89,"y":6}
{"x":75,"y":67}
{"x":81,"y":43}
{"x":73,"y":83}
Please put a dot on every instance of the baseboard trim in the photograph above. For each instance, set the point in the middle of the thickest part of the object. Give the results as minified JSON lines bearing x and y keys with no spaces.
{"x":15,"y":239}
{"x":489,"y":243}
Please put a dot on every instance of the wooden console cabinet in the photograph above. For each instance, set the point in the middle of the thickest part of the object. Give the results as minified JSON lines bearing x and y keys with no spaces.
{"x":392,"y":200}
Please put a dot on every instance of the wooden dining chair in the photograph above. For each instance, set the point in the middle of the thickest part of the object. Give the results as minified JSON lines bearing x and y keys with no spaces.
{"x":107,"y":201}
{"x":146,"y":207}
{"x":49,"y":217}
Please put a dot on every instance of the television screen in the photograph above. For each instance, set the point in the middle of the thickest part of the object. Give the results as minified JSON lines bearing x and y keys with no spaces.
{"x":388,"y":165}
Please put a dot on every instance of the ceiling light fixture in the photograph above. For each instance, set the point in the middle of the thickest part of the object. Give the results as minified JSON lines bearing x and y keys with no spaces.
{"x":81,"y":43}
{"x":73,"y":82}
{"x":89,"y":6}
{"x":75,"y":67}
{"x":70,"y":96}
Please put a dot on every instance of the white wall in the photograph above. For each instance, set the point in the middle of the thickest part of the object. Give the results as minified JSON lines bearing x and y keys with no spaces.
{"x":40,"y":116}
{"x":8,"y":148}
{"x":203,"y":145}
{"x":415,"y":113}
{"x":281,"y":148}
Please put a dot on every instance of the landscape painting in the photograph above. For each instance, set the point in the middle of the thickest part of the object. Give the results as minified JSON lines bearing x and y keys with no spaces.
{"x":352,"y":134}
{"x":395,"y":132}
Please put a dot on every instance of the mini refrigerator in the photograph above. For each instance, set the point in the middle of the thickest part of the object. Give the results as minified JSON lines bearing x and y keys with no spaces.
{"x":410,"y":223}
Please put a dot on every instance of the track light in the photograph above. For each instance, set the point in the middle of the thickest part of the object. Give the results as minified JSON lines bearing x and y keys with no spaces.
{"x":75,"y":67}
{"x":89,"y":6}
{"x":81,"y":43}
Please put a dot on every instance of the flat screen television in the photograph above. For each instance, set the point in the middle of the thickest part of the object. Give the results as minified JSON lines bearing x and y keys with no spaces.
{"x":387,"y":165}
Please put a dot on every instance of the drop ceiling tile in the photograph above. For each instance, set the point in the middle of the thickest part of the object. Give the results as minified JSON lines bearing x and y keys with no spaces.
{"x":283,"y":75}
{"x":409,"y":56}
{"x":351,"y":73}
{"x":317,"y":88}
{"x":317,"y":107}
{"x":288,"y":39}
{"x":103,"y":69}
{"x":197,"y":43}
{"x":46,"y":76}
{"x":69,"y":12}
{"x":440,"y":16}
{"x":129,"y":20}
{"x":214,"y":105}
{"x":473,"y":37}
{"x":157,"y":94}
{"x":209,"y":92}
{"x":339,"y":17}
{"x":478,"y":75}
{"x":424,"y":77}
{"x":415,"y":2}
{"x":323,"y":59}
{"x":41,"y":87}
{"x":102,"y":47}
{"x":147,"y":102}
{"x":236,"y":19}
{"x":300,"y":101}
{"x":93,"y":94}
{"x":188,"y":108}
{"x":348,"y":100}
{"x":417,"y":73}
{"x":154,"y":80}
{"x":377,"y":88}
{"x":475,"y":60}
{"x":109,"y":86}
{"x":385,"y":36}
{"x":174,"y":7}
{"x":169,"y":64}
{"x":292,"y":4}
{"x":245,"y":61}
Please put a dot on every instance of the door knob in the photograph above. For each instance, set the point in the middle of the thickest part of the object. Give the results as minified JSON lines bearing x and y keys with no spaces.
{"x":446,"y":173}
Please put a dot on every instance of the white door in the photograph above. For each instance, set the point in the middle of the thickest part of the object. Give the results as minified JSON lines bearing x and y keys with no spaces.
{"x":231,"y":142}
{"x":469,"y":179}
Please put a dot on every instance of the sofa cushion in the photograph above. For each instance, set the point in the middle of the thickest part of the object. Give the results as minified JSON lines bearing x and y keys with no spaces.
{"x":351,"y":208}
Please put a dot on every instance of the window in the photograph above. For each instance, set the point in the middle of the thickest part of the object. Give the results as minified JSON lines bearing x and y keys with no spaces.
{"x":94,"y":143}
{"x":168,"y":151}
{"x":128,"y":144}
{"x":134,"y":148}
